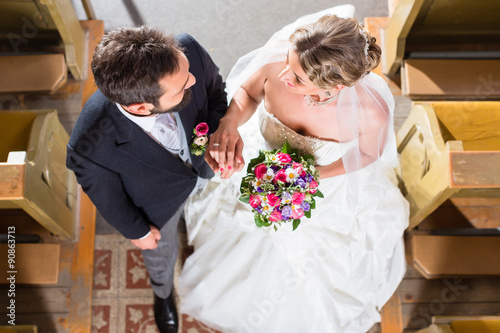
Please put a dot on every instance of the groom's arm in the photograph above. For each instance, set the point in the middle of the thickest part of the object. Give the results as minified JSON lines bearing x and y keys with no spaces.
{"x":105,"y":189}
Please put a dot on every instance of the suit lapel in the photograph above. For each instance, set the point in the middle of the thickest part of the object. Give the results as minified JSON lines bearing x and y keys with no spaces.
{"x":137,"y":144}
{"x":188,"y":122}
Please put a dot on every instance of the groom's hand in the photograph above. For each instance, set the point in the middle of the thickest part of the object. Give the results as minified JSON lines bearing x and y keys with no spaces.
{"x":150,"y":242}
{"x":212,"y":163}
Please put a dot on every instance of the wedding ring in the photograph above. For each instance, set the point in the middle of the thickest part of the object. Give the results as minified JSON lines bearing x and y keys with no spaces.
{"x":216,"y":145}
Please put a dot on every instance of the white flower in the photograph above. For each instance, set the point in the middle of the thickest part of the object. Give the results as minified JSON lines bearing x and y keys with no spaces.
{"x":266,"y":208}
{"x":201,"y":141}
{"x":272,"y":158}
{"x":269,"y":175}
{"x":286,"y":198}
{"x":291,"y":175}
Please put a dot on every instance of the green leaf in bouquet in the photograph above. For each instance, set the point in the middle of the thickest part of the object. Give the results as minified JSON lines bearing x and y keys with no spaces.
{"x":296,"y":223}
{"x":308,"y":214}
{"x":245,"y":185}
{"x":267,"y":224}
{"x":258,"y":221}
{"x":319,"y":194}
{"x":254,"y":161}
{"x":312,"y":204}
{"x":245,"y":198}
{"x":287,"y":149}
{"x":261,"y":221}
{"x":308,"y":157}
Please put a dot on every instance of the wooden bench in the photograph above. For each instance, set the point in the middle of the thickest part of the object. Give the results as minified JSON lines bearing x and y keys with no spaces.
{"x":464,"y":324}
{"x":33,"y":173}
{"x":44,"y":73}
{"x":440,"y":29}
{"x":36,"y":263}
{"x":436,"y":256}
{"x":448,"y":149}
{"x":19,"y":329}
{"x":48,"y":26}
{"x":438,"y":79}
{"x":444,"y":49}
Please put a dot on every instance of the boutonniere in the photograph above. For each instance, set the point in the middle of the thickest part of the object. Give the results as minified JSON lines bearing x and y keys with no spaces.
{"x":200,"y":139}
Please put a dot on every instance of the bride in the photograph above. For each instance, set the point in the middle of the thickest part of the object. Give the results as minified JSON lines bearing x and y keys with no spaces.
{"x":311,"y":86}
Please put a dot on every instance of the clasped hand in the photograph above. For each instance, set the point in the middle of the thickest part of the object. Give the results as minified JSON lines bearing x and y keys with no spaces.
{"x":224,"y":150}
{"x":150,"y":242}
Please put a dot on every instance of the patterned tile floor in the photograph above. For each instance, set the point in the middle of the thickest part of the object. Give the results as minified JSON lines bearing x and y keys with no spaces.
{"x":122,"y":296}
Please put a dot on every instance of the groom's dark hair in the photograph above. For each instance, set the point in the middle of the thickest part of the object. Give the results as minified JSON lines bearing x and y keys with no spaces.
{"x":128,"y":64}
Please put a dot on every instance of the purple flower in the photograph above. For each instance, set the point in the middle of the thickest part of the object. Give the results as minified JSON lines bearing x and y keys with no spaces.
{"x":300,"y":181}
{"x":275,"y":168}
{"x":309,"y":177}
{"x":286,"y":212}
{"x":259,"y":209}
{"x":259,"y":189}
{"x":305,"y":206}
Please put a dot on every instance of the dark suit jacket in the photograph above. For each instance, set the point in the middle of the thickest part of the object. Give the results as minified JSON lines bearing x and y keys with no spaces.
{"x":132,"y":180}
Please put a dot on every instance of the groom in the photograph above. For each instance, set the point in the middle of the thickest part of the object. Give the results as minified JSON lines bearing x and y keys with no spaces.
{"x":130,"y":147}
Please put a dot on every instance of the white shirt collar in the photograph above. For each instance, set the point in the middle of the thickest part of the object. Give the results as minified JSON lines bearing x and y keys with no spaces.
{"x":146,"y":123}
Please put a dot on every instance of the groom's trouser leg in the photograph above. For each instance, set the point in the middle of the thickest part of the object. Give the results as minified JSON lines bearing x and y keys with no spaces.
{"x":160,"y":262}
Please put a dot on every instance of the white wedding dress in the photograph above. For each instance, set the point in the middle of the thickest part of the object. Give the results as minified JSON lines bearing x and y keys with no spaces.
{"x":332,"y":274}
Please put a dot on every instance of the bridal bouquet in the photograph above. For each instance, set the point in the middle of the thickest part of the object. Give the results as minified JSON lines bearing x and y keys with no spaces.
{"x":280,"y":185}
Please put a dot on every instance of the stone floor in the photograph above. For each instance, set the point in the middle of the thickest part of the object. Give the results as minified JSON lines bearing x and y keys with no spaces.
{"x":122,"y":295}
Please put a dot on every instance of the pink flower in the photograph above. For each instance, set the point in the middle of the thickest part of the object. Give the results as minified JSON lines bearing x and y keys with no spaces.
{"x":260,"y":171}
{"x":201,"y":129}
{"x":297,"y":198}
{"x":281,"y":176}
{"x":284,"y":158}
{"x":313,"y":186}
{"x":275,"y":215}
{"x":273,"y":200}
{"x":254,"y":201}
{"x":297,"y":213}
{"x":297,"y":167}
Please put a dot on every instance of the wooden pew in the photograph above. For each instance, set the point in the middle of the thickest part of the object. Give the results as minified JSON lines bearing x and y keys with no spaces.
{"x":448,"y":149}
{"x":33,"y":173}
{"x":463,"y":324}
{"x":451,"y":79}
{"x":447,"y":49}
{"x":444,"y":256}
{"x":19,"y":329}
{"x":43,"y":73}
{"x":43,"y":26}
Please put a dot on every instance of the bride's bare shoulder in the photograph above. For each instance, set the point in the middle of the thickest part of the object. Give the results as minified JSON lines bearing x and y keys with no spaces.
{"x":266,"y":73}
{"x":271,"y":70}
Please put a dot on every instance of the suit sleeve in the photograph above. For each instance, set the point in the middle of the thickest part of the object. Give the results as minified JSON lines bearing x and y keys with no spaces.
{"x":104,"y":187}
{"x":215,"y":87}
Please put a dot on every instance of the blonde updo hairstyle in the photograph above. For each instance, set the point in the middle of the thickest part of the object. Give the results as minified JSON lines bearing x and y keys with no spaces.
{"x":332,"y":51}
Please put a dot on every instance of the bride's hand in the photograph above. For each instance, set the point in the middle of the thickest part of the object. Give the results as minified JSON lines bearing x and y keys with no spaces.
{"x":225,"y":149}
